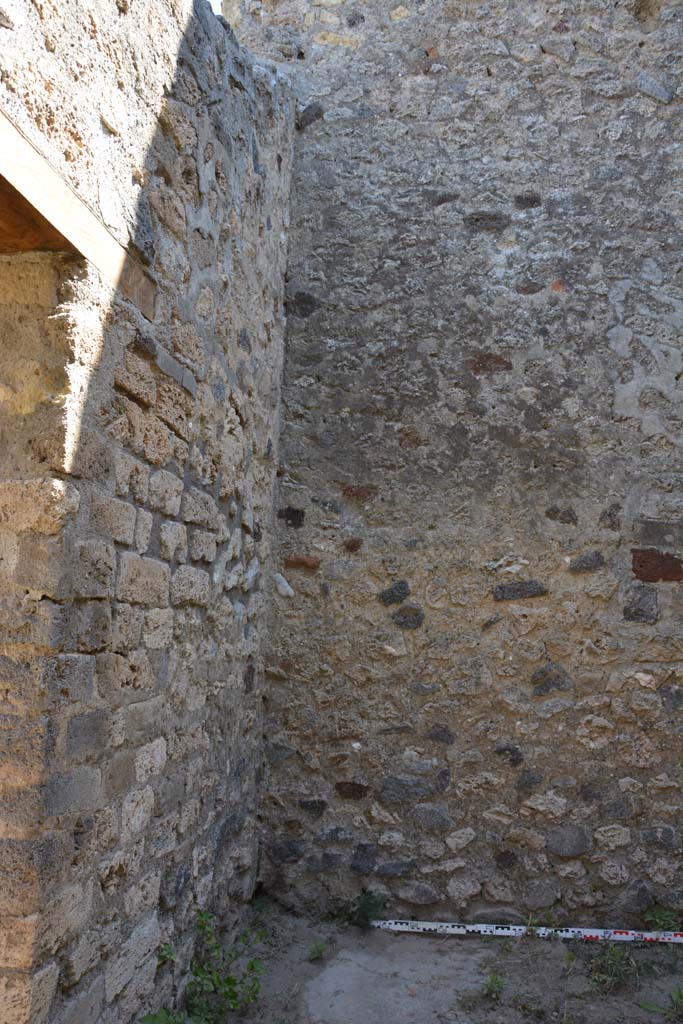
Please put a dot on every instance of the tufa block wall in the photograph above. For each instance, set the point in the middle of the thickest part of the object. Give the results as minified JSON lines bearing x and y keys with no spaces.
{"x":476,"y":670}
{"x":137,"y":466}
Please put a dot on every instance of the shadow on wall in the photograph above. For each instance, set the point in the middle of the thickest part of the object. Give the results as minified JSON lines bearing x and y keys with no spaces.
{"x":138,"y":458}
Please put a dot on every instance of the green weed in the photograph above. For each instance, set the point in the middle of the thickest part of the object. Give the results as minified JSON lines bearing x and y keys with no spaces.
{"x":222,"y":981}
{"x":672,"y":1012}
{"x":661,"y":920}
{"x":569,"y":961}
{"x":166,"y":954}
{"x":614,"y":969}
{"x":366,"y":908}
{"x":493,"y":987}
{"x":165,"y":1017}
{"x":530,"y":1009}
{"x":317,"y":951}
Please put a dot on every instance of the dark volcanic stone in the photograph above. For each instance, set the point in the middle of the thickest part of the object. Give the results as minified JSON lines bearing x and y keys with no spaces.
{"x":276,"y":753}
{"x":562,"y":515}
{"x":327,"y":861}
{"x":642,"y":604}
{"x":511,"y":752}
{"x":434,"y":198}
{"x":527,"y":200}
{"x":569,"y":841}
{"x":302,"y":305}
{"x":487,"y":220}
{"x":549,"y":677}
{"x":441,"y":734}
{"x":672,"y":899}
{"x":396,"y":868}
{"x":529,"y":780}
{"x":506,"y":860}
{"x":396,"y":593}
{"x":587,"y":563}
{"x":610,"y":517}
{"x":335,"y":834}
{"x":671,"y":697}
{"x":659,"y":533}
{"x":593,"y":790}
{"x":659,"y":835}
{"x":410,"y":616}
{"x":286,"y":851}
{"x":420,"y":893}
{"x":518,"y":590}
{"x":433,"y":817}
{"x":395,"y":790}
{"x":249,"y":678}
{"x":636,"y":898}
{"x":313,"y":112}
{"x":316,"y":808}
{"x":423,"y":689}
{"x":364,"y":858}
{"x":541,"y":893}
{"x":292,"y":516}
{"x":617,"y":810}
{"x":352,"y":790}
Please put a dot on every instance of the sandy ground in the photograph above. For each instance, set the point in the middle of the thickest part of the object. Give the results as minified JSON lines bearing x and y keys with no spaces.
{"x":327,"y":973}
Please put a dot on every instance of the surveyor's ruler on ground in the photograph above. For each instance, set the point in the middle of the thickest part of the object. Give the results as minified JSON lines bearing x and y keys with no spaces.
{"x":516,"y":931}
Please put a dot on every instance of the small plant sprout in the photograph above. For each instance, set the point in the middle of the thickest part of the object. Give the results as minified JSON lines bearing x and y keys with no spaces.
{"x":165,"y":1017}
{"x":166,"y":954}
{"x":317,"y":951}
{"x":493,"y":987}
{"x":661,"y":920}
{"x":367,"y":907}
{"x":673,"y":1012}
{"x":614,"y":969}
{"x":569,"y":961}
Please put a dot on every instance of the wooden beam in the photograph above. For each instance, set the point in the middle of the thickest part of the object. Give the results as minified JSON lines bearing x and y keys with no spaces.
{"x":27,"y":171}
{"x":23,"y":229}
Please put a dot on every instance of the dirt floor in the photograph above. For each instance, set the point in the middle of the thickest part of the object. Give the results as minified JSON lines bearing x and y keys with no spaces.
{"x":326,"y":973}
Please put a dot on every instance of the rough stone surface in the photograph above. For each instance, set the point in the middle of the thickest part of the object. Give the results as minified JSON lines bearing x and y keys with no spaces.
{"x":473,"y":643}
{"x":139,"y":450}
{"x":482,"y":390}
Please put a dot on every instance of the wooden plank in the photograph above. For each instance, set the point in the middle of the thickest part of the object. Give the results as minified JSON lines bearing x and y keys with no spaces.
{"x":23,"y":229}
{"x":27,"y":171}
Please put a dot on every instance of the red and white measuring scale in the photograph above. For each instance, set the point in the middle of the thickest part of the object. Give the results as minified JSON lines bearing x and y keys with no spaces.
{"x":517,"y":931}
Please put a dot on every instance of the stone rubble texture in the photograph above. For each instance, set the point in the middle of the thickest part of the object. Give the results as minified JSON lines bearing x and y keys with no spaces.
{"x":475,"y":691}
{"x":138,"y":462}
{"x":462,"y":607}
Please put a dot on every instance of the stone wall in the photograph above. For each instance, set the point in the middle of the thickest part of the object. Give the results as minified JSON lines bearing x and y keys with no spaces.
{"x":476,"y":671}
{"x":139,"y":447}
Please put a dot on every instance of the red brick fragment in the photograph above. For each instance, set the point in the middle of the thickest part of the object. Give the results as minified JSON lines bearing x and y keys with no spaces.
{"x":306,"y":562}
{"x":654,"y":566}
{"x":359,"y":492}
{"x":488,"y":362}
